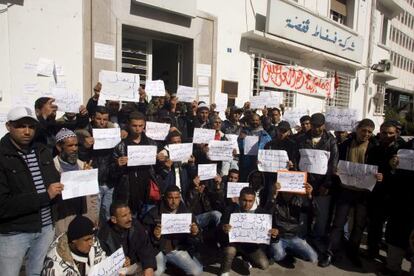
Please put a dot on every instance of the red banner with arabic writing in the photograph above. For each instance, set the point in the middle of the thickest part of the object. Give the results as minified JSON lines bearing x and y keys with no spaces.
{"x":295,"y":79}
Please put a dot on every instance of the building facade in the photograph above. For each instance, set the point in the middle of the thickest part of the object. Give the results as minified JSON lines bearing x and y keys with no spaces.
{"x":216,"y":46}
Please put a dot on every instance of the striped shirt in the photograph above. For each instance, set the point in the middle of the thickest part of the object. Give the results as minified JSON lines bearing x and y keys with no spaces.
{"x":33,"y":165}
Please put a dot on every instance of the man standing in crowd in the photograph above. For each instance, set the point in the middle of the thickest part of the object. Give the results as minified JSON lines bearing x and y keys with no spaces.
{"x":319,"y":139}
{"x":138,"y":185}
{"x":29,"y":184}
{"x":66,"y":161}
{"x":356,"y":149}
{"x":100,"y":158}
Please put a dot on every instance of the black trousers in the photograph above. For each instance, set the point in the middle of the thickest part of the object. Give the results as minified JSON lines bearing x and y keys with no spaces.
{"x":348,"y":199}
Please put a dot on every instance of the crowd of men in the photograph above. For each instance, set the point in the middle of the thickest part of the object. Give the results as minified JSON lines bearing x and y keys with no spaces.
{"x":52,"y":236}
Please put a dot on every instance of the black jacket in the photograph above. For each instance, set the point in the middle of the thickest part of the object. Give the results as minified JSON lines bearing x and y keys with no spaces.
{"x":184,"y":241}
{"x":327,"y":143}
{"x":286,"y":213}
{"x":134,"y":241}
{"x":20,"y":203}
{"x":197,"y":202}
{"x":133,"y":183}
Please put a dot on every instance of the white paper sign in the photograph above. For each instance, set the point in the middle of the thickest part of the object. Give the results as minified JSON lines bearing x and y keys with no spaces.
{"x":79,"y":183}
{"x":406,"y":157}
{"x":207,"y":171}
{"x":257,"y":102}
{"x":66,"y":100}
{"x":293,"y":182}
{"x":220,"y":150}
{"x":203,"y":91}
{"x":203,"y":135}
{"x":272,"y":98}
{"x":293,"y":116}
{"x":175,"y":223}
{"x":202,"y":81}
{"x":157,"y":131}
{"x":3,"y":121}
{"x":155,"y":88}
{"x":314,"y":161}
{"x":361,"y":176}
{"x":251,"y":145}
{"x":30,"y":88}
{"x":221,"y":102}
{"x":106,"y":138}
{"x":45,"y":67}
{"x":234,"y":188}
{"x":204,"y":70}
{"x":341,"y":119}
{"x":110,"y":266}
{"x":104,"y":51}
{"x":233,"y":138}
{"x":180,"y":152}
{"x":119,"y":86}
{"x":186,"y":94}
{"x":250,"y":228}
{"x":141,"y":155}
{"x":272,"y":160}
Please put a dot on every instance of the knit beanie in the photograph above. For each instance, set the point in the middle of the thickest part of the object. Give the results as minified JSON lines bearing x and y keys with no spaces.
{"x":80,"y":227}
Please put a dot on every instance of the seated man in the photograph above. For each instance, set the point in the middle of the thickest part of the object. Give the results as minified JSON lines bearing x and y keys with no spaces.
{"x":123,"y":230}
{"x":286,"y":210}
{"x":198,"y":202}
{"x":252,"y":252}
{"x":177,"y":249}
{"x":74,"y":252}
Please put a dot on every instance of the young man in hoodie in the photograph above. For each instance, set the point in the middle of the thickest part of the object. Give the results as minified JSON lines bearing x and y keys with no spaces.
{"x":74,"y":252}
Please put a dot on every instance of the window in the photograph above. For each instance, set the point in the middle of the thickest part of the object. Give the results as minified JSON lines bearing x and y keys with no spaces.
{"x":342,"y":94}
{"x":135,"y":57}
{"x":342,"y":11}
{"x":379,"y":100}
{"x":289,"y":97}
{"x":384,"y":30}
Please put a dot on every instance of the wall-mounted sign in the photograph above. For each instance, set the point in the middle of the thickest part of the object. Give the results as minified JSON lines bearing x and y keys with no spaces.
{"x":299,"y":25}
{"x":295,"y":78}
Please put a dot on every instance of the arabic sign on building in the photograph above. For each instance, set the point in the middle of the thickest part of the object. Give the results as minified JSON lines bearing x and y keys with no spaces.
{"x":299,"y":25}
{"x":295,"y":78}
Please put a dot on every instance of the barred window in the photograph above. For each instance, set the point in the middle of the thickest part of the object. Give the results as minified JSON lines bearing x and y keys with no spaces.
{"x":379,"y":100}
{"x":341,"y":96}
{"x":289,"y":97}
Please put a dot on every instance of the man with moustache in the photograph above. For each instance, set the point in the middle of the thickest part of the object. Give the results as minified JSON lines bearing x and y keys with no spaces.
{"x":122,"y":230}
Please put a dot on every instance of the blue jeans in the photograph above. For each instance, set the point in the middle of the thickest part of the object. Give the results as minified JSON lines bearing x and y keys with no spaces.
{"x":295,"y":245}
{"x":208,"y":218}
{"x":181,"y":259}
{"x":105,"y":197}
{"x":14,"y":248}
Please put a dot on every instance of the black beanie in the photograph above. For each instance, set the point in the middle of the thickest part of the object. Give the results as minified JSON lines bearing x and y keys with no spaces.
{"x":80,"y":227}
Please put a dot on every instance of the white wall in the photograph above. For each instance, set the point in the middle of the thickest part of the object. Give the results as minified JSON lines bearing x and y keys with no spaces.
{"x":39,"y":29}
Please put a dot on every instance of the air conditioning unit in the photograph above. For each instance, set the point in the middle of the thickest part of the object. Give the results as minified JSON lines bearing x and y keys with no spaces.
{"x":383,"y":66}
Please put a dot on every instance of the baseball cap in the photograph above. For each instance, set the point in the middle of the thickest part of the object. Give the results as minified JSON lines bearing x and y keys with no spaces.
{"x":20,"y":112}
{"x":202,"y":106}
{"x":317,"y":119}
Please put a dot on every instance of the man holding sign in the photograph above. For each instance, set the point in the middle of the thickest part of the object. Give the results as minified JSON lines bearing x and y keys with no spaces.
{"x":355,"y":149}
{"x":319,"y":156}
{"x":252,"y":251}
{"x":286,"y":209}
{"x":138,"y":185}
{"x":66,"y":161}
{"x":176,"y":247}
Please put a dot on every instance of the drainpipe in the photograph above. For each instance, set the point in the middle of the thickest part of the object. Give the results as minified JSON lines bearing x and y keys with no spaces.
{"x":369,"y":56}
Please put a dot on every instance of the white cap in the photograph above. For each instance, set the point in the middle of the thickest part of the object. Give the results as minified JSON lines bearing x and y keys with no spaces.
{"x":20,"y":112}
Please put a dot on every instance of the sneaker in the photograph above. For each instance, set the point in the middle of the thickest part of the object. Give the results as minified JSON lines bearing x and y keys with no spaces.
{"x":287,"y":262}
{"x":326,"y":260}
